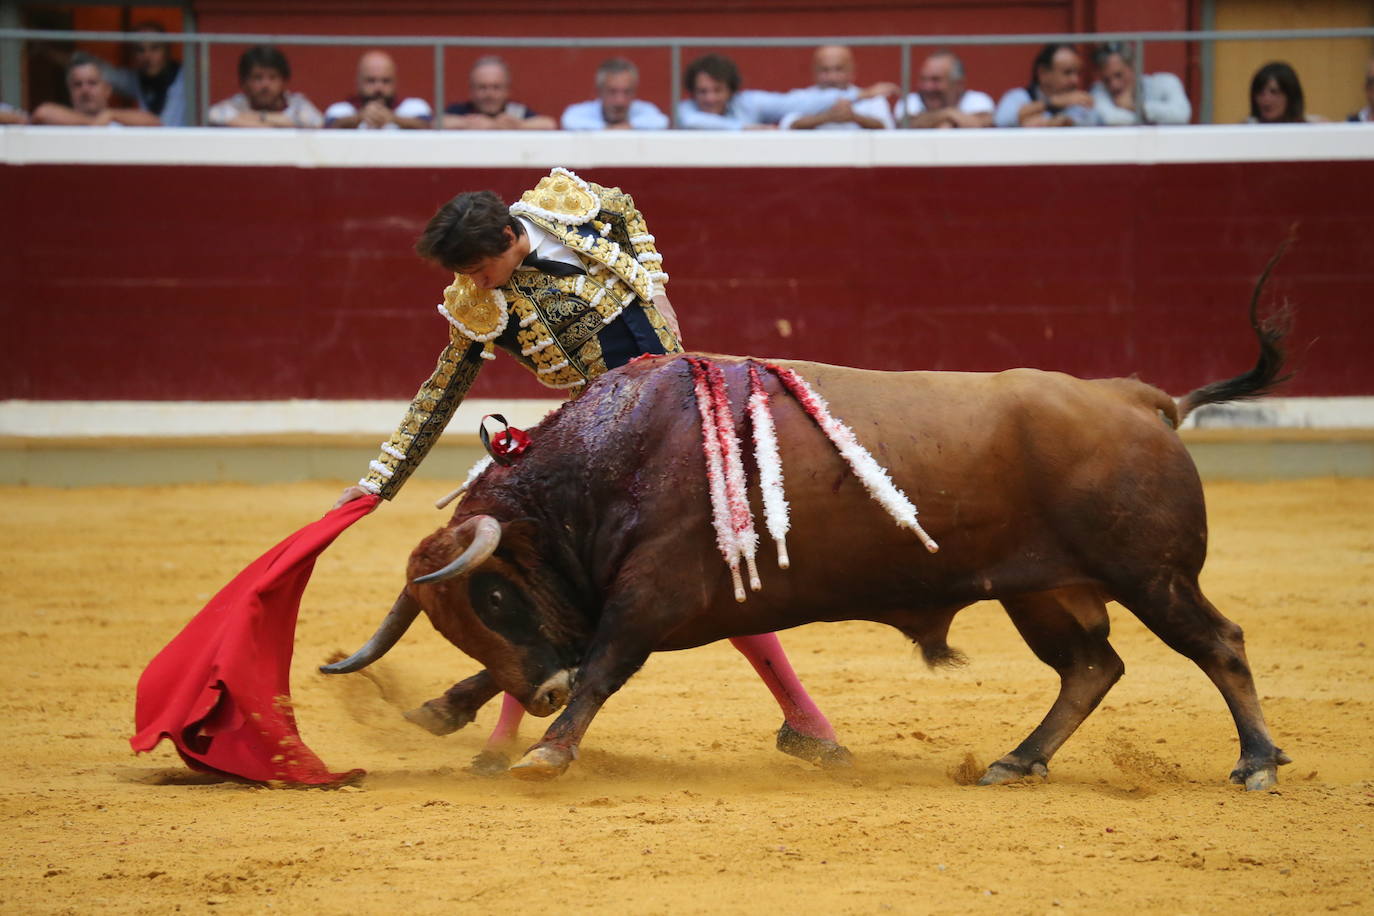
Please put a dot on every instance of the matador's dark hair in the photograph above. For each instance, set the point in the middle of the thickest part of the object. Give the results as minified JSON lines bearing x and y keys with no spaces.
{"x":467,"y":230}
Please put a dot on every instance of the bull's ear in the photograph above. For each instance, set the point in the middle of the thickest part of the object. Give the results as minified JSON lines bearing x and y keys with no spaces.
{"x":520,"y":540}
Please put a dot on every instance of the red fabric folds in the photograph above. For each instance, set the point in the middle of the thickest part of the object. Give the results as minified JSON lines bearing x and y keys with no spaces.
{"x":221,"y":689}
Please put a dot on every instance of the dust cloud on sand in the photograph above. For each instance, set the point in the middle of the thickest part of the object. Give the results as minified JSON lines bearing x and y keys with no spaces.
{"x":679,"y":803}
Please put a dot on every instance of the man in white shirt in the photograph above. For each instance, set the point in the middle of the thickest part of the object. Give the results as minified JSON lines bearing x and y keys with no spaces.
{"x":942,"y":98}
{"x":833,"y":66}
{"x":615,"y":106}
{"x":1114,"y":95}
{"x":374,"y":106}
{"x":263,"y":99}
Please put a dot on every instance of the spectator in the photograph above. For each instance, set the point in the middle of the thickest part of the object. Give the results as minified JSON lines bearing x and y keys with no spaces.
{"x":1054,"y":97}
{"x":1276,"y":97}
{"x":264,"y":101}
{"x":834,"y":69}
{"x":1366,"y":114}
{"x":11,"y":115}
{"x":716,"y":101}
{"x":90,"y":98}
{"x":374,"y":105}
{"x":1161,"y":94}
{"x":490,"y":107}
{"x":155,"y":81}
{"x":615,"y":105}
{"x":942,"y":98}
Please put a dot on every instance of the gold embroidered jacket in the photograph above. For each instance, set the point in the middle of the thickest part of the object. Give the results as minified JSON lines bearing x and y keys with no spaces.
{"x":566,"y":330}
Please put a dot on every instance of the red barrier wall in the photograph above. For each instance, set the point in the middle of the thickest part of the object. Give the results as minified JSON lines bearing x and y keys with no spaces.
{"x":137,"y":282}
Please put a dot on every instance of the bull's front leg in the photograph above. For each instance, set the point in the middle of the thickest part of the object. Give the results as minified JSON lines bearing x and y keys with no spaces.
{"x":458,"y":706}
{"x":608,"y":665}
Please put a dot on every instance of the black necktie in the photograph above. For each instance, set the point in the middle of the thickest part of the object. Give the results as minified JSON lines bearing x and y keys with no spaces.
{"x":551,"y":267}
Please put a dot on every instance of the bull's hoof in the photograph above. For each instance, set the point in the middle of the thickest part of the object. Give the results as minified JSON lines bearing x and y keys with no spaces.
{"x":822,"y":752}
{"x":542,"y":763}
{"x":490,"y":763}
{"x":434,"y":718}
{"x":1258,"y":776}
{"x":1005,"y":771}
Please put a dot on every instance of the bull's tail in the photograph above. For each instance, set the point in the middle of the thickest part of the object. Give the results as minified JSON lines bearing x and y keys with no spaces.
{"x":1264,"y":377}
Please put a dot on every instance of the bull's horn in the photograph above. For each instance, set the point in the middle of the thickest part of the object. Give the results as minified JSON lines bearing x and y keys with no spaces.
{"x":485,"y":540}
{"x":394,"y":625}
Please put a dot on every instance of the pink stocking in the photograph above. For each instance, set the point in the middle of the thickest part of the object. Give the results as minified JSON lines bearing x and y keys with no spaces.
{"x":508,"y":726}
{"x":799,"y":711}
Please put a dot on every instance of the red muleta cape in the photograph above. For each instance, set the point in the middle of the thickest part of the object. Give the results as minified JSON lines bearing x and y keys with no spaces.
{"x":221,"y":689}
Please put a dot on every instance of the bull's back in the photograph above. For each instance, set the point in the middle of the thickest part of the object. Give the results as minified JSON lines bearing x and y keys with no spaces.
{"x":1000,"y":466}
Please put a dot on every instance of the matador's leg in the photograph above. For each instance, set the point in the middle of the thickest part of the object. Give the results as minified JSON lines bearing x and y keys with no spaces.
{"x":805,"y":732}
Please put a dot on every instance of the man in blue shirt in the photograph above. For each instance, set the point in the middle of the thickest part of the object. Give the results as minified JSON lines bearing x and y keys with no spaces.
{"x":716,"y":101}
{"x":615,"y":106}
{"x":1054,"y":97}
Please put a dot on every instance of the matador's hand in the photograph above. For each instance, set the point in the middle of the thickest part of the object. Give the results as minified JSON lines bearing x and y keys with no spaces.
{"x":351,"y":493}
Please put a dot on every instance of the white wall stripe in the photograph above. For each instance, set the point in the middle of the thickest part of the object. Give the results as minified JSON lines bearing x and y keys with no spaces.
{"x":203,"y":146}
{"x":189,"y":419}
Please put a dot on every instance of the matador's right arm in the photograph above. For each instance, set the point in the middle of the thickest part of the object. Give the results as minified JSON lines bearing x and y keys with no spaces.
{"x":429,"y":413}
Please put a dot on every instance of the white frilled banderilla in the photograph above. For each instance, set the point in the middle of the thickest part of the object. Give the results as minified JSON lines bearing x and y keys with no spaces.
{"x":730,"y":512}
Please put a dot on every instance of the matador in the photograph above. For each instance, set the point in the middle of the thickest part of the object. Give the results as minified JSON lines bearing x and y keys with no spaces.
{"x":567,"y":280}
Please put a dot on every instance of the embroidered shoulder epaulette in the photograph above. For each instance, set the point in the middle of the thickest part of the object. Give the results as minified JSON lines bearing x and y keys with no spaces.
{"x":601,"y":224}
{"x":561,"y":197}
{"x":478,"y":314}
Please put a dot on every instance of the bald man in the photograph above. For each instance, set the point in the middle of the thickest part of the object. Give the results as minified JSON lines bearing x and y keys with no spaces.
{"x":374,"y":106}
{"x":490,"y":106}
{"x":858,"y":109}
{"x":943,"y":99}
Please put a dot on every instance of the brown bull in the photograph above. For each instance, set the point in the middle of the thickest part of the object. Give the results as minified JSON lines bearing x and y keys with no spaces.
{"x":1050,"y":494}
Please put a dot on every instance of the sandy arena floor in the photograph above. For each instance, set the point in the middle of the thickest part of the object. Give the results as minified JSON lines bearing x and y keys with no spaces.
{"x":679,"y":803}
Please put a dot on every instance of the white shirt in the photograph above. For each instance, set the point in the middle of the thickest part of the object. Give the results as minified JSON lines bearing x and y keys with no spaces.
{"x":543,"y":245}
{"x":407,"y":108}
{"x":971,"y":102}
{"x":591,"y":116}
{"x":874,"y":107}
{"x":1161,"y":95}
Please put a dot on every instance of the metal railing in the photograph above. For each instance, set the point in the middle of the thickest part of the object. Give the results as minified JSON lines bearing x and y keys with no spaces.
{"x":197,"y":58}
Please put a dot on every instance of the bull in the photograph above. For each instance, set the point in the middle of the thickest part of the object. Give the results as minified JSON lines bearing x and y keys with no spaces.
{"x":1051,"y":494}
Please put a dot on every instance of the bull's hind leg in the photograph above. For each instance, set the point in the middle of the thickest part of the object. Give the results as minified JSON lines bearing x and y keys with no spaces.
{"x":1067,"y":629}
{"x":1175,"y":609}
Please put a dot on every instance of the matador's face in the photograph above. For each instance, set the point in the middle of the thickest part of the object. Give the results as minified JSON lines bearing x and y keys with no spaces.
{"x":496,"y":270}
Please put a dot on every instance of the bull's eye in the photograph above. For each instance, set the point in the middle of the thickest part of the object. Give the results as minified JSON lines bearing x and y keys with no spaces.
{"x":494,"y":599}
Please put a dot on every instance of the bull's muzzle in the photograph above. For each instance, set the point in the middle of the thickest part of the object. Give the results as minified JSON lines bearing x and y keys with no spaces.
{"x":551,"y":695}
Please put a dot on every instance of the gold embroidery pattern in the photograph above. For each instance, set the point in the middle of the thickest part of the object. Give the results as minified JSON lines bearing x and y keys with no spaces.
{"x":427,"y":416}
{"x":665,"y":334}
{"x":478,"y":314}
{"x":546,"y":354}
{"x":561,"y":196}
{"x":591,"y":358}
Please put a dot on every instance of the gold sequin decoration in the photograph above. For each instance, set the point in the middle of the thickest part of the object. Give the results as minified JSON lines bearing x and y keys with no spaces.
{"x":476,"y":308}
